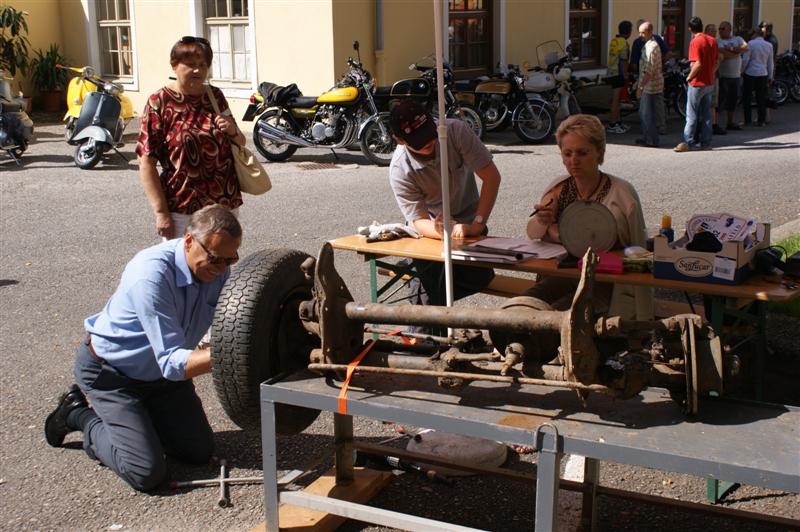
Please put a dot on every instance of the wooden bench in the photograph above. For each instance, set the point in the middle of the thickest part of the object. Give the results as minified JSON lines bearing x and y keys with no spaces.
{"x":510,"y":286}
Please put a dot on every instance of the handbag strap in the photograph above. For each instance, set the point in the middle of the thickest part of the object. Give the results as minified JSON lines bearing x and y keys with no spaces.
{"x":216,"y":107}
{"x":213,"y":99}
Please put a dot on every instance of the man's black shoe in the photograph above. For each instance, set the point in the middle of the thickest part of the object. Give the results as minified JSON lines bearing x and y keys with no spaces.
{"x":55,"y":426}
{"x":734,"y":127}
{"x":717,"y":130}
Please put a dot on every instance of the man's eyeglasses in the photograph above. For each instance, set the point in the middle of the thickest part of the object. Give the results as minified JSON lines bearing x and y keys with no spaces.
{"x":213,"y":259}
{"x":188,"y":39}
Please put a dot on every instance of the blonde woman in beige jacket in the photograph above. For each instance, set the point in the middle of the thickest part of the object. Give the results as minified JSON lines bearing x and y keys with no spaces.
{"x":582,"y":141}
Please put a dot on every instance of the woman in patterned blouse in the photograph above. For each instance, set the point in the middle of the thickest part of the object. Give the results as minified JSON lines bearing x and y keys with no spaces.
{"x":181,"y":133}
{"x":582,"y":141}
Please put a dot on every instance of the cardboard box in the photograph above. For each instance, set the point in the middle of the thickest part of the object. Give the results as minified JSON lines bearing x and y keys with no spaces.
{"x":731,"y":265}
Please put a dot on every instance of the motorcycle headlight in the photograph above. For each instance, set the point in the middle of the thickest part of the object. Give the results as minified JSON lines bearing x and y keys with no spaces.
{"x":112,"y":89}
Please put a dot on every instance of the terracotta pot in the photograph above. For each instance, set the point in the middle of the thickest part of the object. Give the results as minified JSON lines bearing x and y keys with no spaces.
{"x":51,"y":101}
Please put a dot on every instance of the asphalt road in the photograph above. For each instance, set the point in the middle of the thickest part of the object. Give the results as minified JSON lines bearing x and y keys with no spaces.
{"x":67,"y":234}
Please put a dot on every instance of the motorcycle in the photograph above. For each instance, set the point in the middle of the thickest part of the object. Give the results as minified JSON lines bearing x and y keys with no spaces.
{"x":504,"y":99}
{"x":424,"y":90}
{"x":16,"y":127}
{"x":675,"y":85}
{"x":553,"y":79}
{"x":787,"y":74}
{"x":96,"y":117}
{"x":344,"y":115}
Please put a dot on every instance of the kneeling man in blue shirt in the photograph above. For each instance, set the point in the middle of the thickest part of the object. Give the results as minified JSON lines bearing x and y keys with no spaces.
{"x":139,"y":357}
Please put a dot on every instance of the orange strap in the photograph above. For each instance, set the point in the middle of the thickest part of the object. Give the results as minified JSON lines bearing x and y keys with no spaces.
{"x":352,"y":366}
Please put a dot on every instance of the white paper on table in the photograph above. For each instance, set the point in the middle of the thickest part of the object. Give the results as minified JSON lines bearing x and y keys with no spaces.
{"x":529,"y":249}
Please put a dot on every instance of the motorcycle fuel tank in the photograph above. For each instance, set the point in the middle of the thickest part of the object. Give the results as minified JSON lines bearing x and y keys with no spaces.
{"x":540,"y":81}
{"x":493,"y":87}
{"x":339,"y":95}
{"x":411,"y":87}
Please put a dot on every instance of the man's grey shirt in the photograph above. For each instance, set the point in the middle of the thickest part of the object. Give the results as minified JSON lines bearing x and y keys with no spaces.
{"x":417,"y":185}
{"x":732,"y":67}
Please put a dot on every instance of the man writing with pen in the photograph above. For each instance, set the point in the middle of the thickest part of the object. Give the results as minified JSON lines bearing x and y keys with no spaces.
{"x":582,"y":141}
{"x":415,"y":178}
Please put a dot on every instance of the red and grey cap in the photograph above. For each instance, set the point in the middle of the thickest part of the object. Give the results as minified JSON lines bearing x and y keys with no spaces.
{"x":412,"y":124}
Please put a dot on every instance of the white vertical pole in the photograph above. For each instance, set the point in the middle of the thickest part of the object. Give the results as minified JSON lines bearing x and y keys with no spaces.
{"x":438,"y":6}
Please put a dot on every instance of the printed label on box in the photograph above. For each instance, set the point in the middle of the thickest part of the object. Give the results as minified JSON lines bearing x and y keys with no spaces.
{"x":693,"y":266}
{"x":724,"y":268}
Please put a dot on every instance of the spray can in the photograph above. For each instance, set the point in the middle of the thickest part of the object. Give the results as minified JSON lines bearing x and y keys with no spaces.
{"x":666,"y":228}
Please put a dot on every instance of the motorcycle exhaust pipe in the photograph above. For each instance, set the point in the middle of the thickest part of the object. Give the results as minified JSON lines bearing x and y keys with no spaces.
{"x":279,"y":136}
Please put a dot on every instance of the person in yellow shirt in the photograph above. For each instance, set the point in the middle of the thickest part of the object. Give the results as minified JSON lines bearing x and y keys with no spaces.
{"x":619,"y":54}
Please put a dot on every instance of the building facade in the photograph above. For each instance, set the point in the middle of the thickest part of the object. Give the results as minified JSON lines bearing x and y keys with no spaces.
{"x":308,"y":41}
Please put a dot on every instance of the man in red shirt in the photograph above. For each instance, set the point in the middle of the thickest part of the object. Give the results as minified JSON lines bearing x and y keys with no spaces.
{"x":704,"y":55}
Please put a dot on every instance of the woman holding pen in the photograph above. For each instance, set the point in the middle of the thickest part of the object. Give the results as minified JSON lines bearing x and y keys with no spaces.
{"x":582,"y":141}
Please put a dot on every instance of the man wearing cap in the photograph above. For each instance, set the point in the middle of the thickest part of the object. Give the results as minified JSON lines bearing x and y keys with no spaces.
{"x":415,"y":178}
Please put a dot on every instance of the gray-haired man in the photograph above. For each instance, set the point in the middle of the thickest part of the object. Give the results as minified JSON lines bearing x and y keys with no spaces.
{"x":138,"y":359}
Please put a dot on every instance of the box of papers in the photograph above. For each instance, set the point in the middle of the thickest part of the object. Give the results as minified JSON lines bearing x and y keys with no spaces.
{"x":730,"y":265}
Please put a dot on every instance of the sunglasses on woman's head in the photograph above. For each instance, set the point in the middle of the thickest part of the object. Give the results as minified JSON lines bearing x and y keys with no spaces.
{"x":188,"y":39}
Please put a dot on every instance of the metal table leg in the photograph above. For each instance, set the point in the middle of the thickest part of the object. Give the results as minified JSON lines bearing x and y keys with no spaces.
{"x":343,"y":441}
{"x":591,"y":479}
{"x":548,"y":468}
{"x":270,"y":465}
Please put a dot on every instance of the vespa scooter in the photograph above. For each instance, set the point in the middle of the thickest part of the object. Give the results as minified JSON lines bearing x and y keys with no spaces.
{"x":97,"y":113}
{"x":16,"y":127}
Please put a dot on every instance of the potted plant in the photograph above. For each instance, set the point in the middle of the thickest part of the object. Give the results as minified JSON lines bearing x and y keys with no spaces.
{"x":13,"y":45}
{"x":48,"y":79}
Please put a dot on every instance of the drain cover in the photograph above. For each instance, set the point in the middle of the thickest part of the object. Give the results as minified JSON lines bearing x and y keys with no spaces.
{"x":317,"y":166}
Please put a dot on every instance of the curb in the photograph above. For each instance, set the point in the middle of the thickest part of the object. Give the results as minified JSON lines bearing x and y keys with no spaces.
{"x":785,"y":230}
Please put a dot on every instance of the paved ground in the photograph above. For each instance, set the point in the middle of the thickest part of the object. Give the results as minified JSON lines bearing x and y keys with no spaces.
{"x":67,"y":233}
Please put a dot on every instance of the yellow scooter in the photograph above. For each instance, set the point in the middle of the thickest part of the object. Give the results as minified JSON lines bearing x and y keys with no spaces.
{"x":97,"y":113}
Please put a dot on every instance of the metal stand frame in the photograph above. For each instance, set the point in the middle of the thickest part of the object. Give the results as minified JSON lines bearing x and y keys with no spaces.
{"x":651,"y":433}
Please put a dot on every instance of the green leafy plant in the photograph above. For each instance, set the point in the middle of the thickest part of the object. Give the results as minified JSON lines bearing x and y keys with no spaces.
{"x":44,"y":73}
{"x":13,"y":40}
{"x":792,"y":245}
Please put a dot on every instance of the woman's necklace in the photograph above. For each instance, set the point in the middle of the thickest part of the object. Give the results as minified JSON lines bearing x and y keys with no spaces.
{"x":596,"y":188}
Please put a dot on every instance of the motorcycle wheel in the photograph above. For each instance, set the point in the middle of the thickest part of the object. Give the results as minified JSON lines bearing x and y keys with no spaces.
{"x":471,"y":117}
{"x":534,"y":122}
{"x":269,"y":150}
{"x":680,"y":102}
{"x":780,"y":91}
{"x":87,"y":155}
{"x":374,"y":145}
{"x":794,"y":90}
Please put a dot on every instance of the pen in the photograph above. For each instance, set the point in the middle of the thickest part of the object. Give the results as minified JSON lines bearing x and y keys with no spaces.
{"x":537,"y":210}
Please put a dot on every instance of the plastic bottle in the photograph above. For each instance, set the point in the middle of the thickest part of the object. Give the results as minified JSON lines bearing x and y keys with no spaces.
{"x":666,"y":228}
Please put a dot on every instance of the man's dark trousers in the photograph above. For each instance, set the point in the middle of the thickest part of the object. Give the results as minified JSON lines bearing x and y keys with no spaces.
{"x":136,"y":422}
{"x":760,"y":84}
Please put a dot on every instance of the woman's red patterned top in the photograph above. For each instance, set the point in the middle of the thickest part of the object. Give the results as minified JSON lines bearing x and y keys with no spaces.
{"x":195,"y":156}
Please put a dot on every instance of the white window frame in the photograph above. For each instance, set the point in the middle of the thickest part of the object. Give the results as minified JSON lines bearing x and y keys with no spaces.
{"x":197,"y":22}
{"x":93,"y":43}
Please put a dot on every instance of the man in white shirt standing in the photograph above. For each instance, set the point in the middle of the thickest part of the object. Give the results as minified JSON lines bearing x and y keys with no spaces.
{"x":731,"y":48}
{"x":758,"y":74}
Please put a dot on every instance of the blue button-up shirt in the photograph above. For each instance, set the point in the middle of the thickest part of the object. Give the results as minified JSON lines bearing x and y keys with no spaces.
{"x":760,"y":62}
{"x":157,"y":315}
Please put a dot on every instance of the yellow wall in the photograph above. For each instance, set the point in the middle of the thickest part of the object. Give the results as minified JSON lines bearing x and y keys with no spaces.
{"x":712,"y":11}
{"x":43,"y":29}
{"x":529,"y":24}
{"x":779,"y":12}
{"x":633,"y":11}
{"x":353,"y":20}
{"x":158,"y":26}
{"x":294,"y":43}
{"x":408,"y":36}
